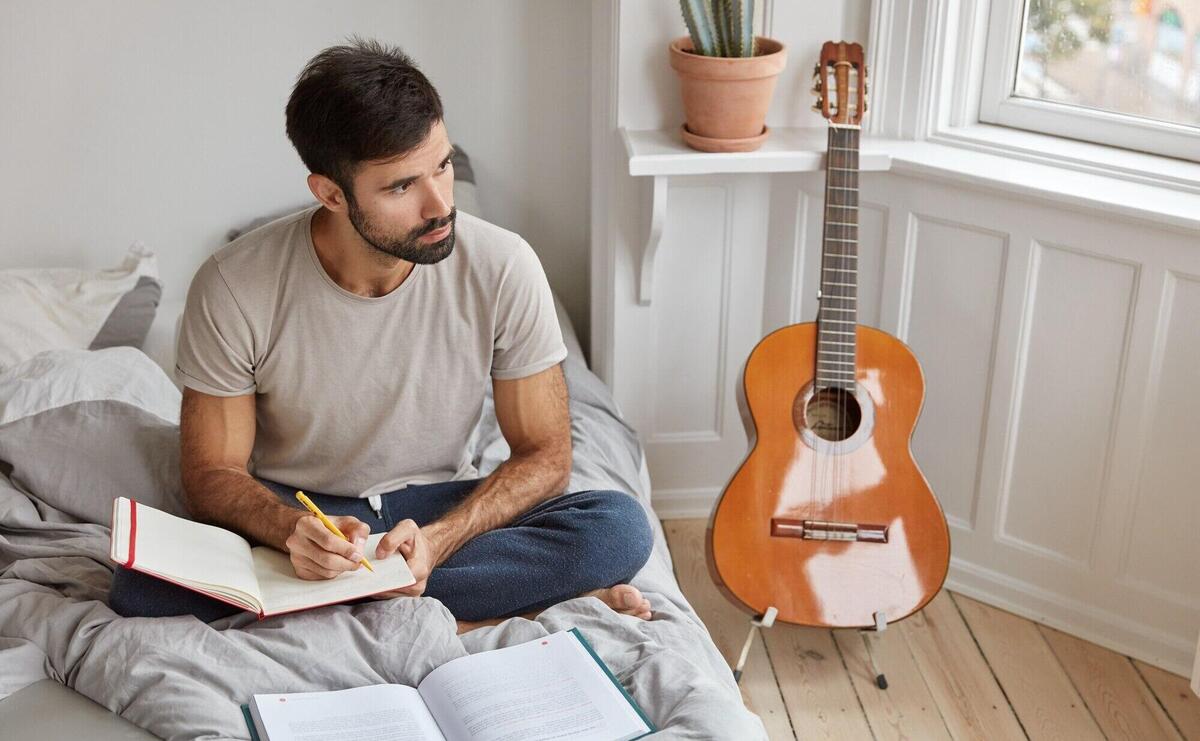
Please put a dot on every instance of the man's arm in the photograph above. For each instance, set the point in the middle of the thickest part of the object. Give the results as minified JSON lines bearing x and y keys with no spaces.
{"x":534,"y":418}
{"x":216,"y":439}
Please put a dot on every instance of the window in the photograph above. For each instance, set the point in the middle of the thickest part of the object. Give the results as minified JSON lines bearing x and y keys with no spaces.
{"x":1120,"y":72}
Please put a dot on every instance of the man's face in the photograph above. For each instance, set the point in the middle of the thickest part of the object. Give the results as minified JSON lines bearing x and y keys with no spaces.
{"x":405,"y":207}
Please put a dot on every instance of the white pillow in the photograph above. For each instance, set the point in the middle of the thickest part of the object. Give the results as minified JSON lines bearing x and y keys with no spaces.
{"x":63,"y":308}
{"x":82,"y":427}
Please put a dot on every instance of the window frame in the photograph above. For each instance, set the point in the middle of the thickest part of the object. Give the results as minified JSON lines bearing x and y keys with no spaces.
{"x":998,"y":105}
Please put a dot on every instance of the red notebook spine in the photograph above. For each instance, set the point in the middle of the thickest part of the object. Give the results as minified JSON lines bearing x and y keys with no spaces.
{"x":132,"y":532}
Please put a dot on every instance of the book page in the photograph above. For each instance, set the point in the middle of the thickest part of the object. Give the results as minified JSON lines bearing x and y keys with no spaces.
{"x":188,"y":552}
{"x":548,"y":688}
{"x":283,"y":591}
{"x":378,"y":712}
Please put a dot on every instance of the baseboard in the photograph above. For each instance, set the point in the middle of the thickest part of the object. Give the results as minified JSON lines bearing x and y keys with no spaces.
{"x":680,"y":504}
{"x":1102,"y":627}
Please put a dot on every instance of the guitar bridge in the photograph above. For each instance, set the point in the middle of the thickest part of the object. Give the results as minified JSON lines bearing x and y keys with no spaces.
{"x":787,"y":527}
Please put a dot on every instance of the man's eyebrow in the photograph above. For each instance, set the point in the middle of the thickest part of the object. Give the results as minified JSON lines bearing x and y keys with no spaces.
{"x":405,"y":181}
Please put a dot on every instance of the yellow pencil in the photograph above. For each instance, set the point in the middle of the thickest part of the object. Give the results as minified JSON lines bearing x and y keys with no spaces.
{"x":325,"y":521}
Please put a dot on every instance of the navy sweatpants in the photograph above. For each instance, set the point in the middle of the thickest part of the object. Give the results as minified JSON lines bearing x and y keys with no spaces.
{"x":557,"y":550}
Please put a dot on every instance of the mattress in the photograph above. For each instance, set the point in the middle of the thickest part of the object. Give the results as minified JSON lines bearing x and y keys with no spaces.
{"x":180,"y":678}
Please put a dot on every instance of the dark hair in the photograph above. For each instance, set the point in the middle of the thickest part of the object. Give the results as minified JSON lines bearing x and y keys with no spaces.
{"x":361,"y":101}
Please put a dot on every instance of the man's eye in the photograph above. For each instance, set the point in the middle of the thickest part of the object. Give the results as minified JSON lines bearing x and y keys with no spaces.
{"x":401,"y":188}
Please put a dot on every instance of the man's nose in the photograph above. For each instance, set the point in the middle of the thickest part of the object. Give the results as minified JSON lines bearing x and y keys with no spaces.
{"x":435,"y":205}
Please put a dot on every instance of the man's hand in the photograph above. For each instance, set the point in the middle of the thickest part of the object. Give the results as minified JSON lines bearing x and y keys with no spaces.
{"x":317,"y":553}
{"x":416,"y":548}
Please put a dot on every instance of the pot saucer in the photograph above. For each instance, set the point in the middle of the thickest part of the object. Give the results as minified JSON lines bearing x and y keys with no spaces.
{"x":710,"y":144}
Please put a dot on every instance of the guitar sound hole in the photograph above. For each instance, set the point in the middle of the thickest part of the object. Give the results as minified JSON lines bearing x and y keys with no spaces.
{"x":832,"y":414}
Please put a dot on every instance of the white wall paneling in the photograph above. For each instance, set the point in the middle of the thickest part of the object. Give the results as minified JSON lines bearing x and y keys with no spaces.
{"x":953,"y":303}
{"x":703,"y":320}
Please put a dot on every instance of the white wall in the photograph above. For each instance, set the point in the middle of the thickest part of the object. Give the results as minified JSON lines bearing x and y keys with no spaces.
{"x":163,"y":121}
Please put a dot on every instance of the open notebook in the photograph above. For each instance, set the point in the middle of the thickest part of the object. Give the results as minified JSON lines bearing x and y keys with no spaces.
{"x":554,"y":687}
{"x":222,"y":565}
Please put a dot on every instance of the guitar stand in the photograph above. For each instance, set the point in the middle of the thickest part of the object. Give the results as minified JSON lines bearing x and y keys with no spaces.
{"x":880,"y":626}
{"x":766,"y":621}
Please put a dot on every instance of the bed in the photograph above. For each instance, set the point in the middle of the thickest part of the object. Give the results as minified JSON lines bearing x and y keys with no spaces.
{"x":66,"y":660}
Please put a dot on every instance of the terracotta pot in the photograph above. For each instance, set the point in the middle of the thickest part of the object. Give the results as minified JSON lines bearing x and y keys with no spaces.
{"x":725,"y":99}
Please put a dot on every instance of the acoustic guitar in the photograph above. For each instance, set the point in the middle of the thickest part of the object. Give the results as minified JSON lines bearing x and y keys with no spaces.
{"x":829,"y":520}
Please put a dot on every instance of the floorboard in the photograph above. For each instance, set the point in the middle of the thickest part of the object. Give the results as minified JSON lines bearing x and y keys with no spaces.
{"x":1036,"y":685}
{"x":1118,"y":697}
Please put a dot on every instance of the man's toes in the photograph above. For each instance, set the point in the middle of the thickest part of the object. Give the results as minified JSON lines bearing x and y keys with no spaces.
{"x":627,"y":596}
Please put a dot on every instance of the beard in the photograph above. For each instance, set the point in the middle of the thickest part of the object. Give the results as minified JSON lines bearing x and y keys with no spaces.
{"x":408,"y":247}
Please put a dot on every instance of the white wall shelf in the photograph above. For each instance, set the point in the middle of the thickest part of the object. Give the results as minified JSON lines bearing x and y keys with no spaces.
{"x":661,"y":153}
{"x":788,"y":149}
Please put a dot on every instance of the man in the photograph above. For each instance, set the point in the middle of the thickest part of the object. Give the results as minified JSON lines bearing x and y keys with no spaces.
{"x":343,"y":351}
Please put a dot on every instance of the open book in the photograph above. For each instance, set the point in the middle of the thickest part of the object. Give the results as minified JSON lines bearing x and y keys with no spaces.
{"x":222,"y":565}
{"x":553,"y":687}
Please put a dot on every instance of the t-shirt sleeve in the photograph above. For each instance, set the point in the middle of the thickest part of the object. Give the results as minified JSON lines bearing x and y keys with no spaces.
{"x":528,"y":339}
{"x":215,"y":351}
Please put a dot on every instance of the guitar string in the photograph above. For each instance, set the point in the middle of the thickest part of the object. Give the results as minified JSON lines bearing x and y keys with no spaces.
{"x":841,"y":407}
{"x":828,"y":476}
{"x":814,"y":494}
{"x":818,"y":479}
{"x":843,"y":417}
{"x":850,"y":154}
{"x":835,"y":459}
{"x":835,"y":492}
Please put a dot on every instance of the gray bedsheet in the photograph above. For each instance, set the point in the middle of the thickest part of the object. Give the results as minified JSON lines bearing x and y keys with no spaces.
{"x":183,"y":679}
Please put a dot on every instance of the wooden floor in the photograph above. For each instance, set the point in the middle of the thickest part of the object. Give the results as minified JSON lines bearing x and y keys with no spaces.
{"x":959,"y":669}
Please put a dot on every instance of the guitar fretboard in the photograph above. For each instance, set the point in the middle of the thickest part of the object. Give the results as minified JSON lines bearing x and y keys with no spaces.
{"x":837,"y":313}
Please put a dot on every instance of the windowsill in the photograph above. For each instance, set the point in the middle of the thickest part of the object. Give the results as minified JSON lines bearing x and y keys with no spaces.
{"x":1152,"y":197}
{"x":1112,"y":162}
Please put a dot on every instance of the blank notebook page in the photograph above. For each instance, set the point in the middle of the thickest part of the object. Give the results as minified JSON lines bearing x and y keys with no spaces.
{"x":282,"y":590}
{"x":191,"y":551}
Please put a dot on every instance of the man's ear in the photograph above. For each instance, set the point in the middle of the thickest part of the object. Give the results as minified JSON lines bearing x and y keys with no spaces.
{"x":329,"y":193}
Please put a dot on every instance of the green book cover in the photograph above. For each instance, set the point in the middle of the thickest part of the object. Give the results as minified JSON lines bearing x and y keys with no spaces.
{"x":250,"y":723}
{"x":619,"y":686}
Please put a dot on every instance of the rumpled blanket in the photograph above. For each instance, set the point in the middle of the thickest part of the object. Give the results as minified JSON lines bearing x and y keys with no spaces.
{"x":180,"y":678}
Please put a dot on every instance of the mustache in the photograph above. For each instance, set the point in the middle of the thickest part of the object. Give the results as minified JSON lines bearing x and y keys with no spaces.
{"x":440,"y":224}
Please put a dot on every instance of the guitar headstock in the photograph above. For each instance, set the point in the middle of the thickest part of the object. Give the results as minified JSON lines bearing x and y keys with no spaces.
{"x":840,"y":83}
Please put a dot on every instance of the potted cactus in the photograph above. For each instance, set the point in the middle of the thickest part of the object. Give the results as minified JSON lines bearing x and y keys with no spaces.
{"x":727,"y":75}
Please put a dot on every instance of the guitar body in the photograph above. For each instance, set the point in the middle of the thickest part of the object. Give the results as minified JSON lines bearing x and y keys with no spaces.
{"x":794,"y":482}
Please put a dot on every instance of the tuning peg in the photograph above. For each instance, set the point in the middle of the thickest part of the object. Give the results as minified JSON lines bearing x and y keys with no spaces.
{"x":819,"y":106}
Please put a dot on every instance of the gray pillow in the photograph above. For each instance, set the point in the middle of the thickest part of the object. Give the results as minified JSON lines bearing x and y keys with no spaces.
{"x":79,"y":428}
{"x":130,"y":320}
{"x":465,"y":197}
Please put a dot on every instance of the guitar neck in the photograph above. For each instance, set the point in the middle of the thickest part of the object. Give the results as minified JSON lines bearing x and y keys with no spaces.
{"x":837,"y":313}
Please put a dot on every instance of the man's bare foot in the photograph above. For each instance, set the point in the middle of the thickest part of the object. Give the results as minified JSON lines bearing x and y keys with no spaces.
{"x":623,"y":598}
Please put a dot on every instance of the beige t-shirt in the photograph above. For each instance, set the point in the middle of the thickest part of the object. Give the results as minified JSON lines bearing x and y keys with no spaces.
{"x":357,"y":396}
